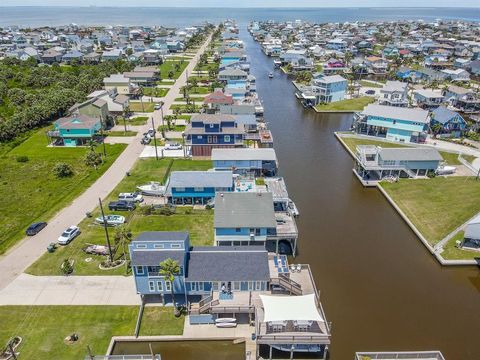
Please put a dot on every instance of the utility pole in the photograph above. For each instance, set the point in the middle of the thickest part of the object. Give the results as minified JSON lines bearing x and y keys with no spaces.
{"x":161,"y":110}
{"x":110,"y":255}
{"x":155,"y":138}
{"x":103,"y":138}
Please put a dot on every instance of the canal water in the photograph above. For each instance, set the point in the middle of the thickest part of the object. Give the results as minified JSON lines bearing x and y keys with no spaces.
{"x":381,"y":289}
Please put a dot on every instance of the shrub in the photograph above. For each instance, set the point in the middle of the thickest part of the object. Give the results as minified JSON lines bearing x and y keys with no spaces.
{"x":62,"y":170}
{"x":67,"y":267}
{"x":93,"y":159}
{"x":22,"y":158}
{"x":165,"y":211}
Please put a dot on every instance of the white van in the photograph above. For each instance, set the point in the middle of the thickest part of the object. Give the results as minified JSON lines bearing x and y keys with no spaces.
{"x":134,"y":197}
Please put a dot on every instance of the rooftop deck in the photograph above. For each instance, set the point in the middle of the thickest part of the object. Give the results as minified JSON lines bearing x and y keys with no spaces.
{"x":286,"y":226}
{"x":423,"y":355}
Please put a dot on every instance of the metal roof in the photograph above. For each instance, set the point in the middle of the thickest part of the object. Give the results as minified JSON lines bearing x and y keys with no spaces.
{"x":399,"y":113}
{"x":204,"y":179}
{"x":247,"y":210}
{"x":410,"y":154}
{"x":264,"y":154}
{"x":219,"y":263}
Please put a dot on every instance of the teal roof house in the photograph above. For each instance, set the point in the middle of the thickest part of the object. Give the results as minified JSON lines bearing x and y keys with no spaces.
{"x":75,"y":130}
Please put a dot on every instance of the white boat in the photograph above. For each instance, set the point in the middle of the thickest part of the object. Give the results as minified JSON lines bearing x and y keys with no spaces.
{"x":270,"y":75}
{"x":152,"y":189}
{"x":293,"y":208}
{"x":277,"y":63}
{"x":226,"y":325}
{"x":446,"y":170}
{"x":225,"y":320}
{"x":112,"y":220}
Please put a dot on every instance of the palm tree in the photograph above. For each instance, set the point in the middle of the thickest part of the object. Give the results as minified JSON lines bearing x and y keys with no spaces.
{"x":169,"y":268}
{"x":141,"y":97}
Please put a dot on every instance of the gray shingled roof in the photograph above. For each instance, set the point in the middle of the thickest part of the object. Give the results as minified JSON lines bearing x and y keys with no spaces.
{"x":228,"y":264}
{"x":410,"y":154}
{"x":250,"y":210}
{"x":155,"y":257}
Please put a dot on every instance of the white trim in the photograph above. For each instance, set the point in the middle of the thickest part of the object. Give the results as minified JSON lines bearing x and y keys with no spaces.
{"x":151,"y":286}
{"x":168,"y":285}
{"x":160,"y":285}
{"x":138,"y":268}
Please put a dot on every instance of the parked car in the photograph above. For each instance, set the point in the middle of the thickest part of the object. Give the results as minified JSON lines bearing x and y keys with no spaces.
{"x":135,"y":197}
{"x":158,"y":106}
{"x":370,"y":92}
{"x":151,"y":132}
{"x":68,"y":235}
{"x":121,"y":205}
{"x":146,"y":140}
{"x":35,"y":228}
{"x":173,"y":146}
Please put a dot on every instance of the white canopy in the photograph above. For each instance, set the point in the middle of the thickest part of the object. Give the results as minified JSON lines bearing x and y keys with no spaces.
{"x":290,"y":308}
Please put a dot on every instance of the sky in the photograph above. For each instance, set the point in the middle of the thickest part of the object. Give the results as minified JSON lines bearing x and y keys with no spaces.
{"x":247,"y":3}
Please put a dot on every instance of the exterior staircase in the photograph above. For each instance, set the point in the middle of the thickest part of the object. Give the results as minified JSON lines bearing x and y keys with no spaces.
{"x":287,"y":284}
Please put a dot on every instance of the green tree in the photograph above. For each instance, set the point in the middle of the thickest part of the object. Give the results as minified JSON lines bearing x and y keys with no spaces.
{"x":123,"y":236}
{"x":62,"y":170}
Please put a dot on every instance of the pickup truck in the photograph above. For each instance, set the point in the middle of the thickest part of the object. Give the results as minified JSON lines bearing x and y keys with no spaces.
{"x":121,"y":205}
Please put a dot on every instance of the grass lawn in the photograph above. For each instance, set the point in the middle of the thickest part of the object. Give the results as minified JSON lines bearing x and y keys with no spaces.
{"x":156,"y":91}
{"x":43,"y":328}
{"x":172,"y":128}
{"x":30,"y":192}
{"x":370,"y":84}
{"x":451,"y":252}
{"x":198,"y":90}
{"x":170,"y":65}
{"x":198,"y":222}
{"x":185,"y":117}
{"x":122,"y":133}
{"x":136,"y":106}
{"x":356,"y":104}
{"x":192,"y":98}
{"x":184,"y":107}
{"x":139,"y":120}
{"x":436,"y":206}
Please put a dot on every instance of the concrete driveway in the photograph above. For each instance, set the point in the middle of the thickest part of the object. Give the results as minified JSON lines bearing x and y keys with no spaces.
{"x":149,"y":152}
{"x":70,"y":290}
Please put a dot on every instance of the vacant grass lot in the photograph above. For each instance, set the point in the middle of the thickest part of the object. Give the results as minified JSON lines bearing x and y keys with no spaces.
{"x":171,"y":65}
{"x":122,"y":133}
{"x":367,"y":83}
{"x":136,"y":106}
{"x":198,"y":90}
{"x":346,"y":105}
{"x":198,"y":222}
{"x":30,"y":192}
{"x":44,"y":328}
{"x":436,"y":206}
{"x":139,"y":120}
{"x":155,"y":91}
{"x":353,"y":142}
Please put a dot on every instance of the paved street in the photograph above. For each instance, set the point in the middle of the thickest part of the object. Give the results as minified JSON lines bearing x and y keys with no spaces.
{"x":70,"y":290}
{"x":15,"y":261}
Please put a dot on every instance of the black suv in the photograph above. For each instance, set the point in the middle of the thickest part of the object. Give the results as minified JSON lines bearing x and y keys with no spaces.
{"x":121,"y":205}
{"x":35,"y":228}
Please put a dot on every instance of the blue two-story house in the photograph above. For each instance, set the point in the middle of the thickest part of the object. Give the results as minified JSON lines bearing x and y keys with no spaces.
{"x":393,"y":123}
{"x":452,"y":123}
{"x":75,"y":130}
{"x":203,"y":270}
{"x":208,"y":131}
{"x":197,"y":187}
{"x":244,"y":218}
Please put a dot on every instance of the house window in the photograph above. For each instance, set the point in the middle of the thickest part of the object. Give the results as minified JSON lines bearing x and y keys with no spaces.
{"x":180,"y":189}
{"x":199,"y":136}
{"x":168,"y":286}
{"x":250,"y":286}
{"x":258,"y":285}
{"x":238,"y":230}
{"x":211,"y":126}
{"x":176,"y":246}
{"x":214,"y":139}
{"x":198,"y":189}
{"x":226,"y":138}
{"x":158,"y":246}
{"x":236,"y":285}
{"x":141,"y":246}
{"x":140,"y":270}
{"x":209,"y":139}
{"x":159,"y":286}
{"x":151,"y":286}
{"x":215,"y":286}
{"x":257,"y":232}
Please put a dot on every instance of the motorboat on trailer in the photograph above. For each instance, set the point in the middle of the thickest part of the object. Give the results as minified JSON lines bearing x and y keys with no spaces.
{"x":111,"y":220}
{"x":446,"y":170}
{"x":225,"y":320}
{"x":152,"y":189}
{"x":277,"y":63}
